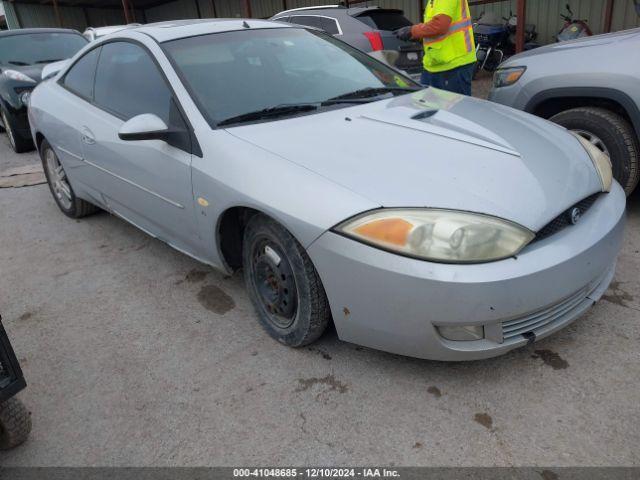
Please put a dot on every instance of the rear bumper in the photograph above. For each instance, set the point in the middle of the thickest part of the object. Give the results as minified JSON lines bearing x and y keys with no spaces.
{"x":393,"y":303}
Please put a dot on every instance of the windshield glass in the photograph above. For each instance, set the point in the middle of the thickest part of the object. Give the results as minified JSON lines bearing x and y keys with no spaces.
{"x":234,"y":73}
{"x":33,"y":48}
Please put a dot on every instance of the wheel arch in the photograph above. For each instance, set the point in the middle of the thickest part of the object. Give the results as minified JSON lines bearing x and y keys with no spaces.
{"x":550,"y":102}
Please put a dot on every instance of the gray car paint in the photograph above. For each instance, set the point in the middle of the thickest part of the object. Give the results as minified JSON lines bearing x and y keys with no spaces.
{"x":460,"y":153}
{"x":610,"y":63}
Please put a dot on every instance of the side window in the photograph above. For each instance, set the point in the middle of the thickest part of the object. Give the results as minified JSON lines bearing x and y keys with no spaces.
{"x":128,"y":83}
{"x":282,"y":19}
{"x":79,"y":79}
{"x":329,"y":25}
{"x":307,"y":21}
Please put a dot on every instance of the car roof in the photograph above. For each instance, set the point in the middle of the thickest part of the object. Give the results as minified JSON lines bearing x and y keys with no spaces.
{"x":25,"y":31}
{"x":333,"y":10}
{"x":173,"y":30}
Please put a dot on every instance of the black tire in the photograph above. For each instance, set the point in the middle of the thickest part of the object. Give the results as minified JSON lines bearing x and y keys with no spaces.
{"x":18,"y":144}
{"x":288,"y":296}
{"x":76,"y":207}
{"x":15,"y":423}
{"x":617,"y":135}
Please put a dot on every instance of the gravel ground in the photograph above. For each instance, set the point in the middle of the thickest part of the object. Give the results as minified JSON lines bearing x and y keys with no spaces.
{"x":138,"y":355}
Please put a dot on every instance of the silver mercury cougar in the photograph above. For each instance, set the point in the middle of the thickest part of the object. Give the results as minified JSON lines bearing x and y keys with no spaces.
{"x":419,"y":221}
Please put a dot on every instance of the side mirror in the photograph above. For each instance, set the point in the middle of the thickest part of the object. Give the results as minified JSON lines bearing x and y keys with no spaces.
{"x":52,"y":69}
{"x":144,"y":127}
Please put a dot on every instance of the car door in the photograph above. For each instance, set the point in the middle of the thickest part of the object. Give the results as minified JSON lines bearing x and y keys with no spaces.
{"x":148,"y":182}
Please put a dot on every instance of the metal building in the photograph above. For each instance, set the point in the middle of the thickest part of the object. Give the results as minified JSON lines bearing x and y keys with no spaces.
{"x":602,"y":15}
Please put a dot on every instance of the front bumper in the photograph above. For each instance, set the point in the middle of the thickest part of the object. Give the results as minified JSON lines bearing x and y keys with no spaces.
{"x":393,"y":303}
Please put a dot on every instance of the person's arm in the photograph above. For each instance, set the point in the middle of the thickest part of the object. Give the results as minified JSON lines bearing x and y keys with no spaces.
{"x":444,"y":11}
{"x":438,"y":25}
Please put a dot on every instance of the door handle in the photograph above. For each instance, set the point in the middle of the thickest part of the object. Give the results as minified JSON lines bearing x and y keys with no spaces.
{"x":87,"y":136}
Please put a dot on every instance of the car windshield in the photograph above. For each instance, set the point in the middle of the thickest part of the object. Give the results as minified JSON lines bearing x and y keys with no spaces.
{"x":235,"y":73}
{"x":34,"y":48}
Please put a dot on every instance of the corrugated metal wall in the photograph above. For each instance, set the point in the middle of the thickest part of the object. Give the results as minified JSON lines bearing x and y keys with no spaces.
{"x":545,"y":14}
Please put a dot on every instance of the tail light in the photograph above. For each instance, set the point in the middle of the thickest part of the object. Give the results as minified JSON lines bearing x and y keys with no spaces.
{"x":375,"y":39}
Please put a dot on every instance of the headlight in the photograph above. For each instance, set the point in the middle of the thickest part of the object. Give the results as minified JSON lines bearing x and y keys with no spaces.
{"x":446,"y":236}
{"x":600,"y":160}
{"x":507,"y":76}
{"x":24,"y":97}
{"x":18,"y":76}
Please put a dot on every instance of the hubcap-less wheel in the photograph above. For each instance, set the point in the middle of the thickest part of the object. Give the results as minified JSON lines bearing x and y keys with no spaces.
{"x":58,"y":179}
{"x":594,"y":140}
{"x":274,"y":283}
{"x":7,"y":127}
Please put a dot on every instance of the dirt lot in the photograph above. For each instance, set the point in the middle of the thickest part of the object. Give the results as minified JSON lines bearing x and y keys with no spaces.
{"x":138,"y":355}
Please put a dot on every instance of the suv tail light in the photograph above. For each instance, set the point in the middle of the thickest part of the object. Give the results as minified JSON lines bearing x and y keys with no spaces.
{"x":375,"y":39}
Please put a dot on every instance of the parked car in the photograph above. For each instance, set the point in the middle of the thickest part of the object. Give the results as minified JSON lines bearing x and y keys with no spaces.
{"x":599,"y":100}
{"x":23,"y":55}
{"x":423,"y":222}
{"x":367,"y":28}
{"x":93,"y":33}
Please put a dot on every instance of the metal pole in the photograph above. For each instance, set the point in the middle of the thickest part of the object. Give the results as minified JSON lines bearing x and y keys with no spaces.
{"x":608,"y":15}
{"x":522,"y":7}
{"x":284,"y":5}
{"x":247,"y":8}
{"x":125,"y":7}
{"x":132,"y":10}
{"x":57,"y":12}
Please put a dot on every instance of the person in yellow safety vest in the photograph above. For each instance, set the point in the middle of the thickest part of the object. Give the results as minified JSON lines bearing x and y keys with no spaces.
{"x":449,"y":47}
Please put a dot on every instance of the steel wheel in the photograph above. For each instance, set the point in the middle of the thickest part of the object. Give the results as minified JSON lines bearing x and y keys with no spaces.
{"x":274,"y":283}
{"x":58,"y":179}
{"x":7,"y":127}
{"x":594,"y":140}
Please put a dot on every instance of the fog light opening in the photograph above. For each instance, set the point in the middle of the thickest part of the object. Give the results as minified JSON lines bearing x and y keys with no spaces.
{"x":462,"y":333}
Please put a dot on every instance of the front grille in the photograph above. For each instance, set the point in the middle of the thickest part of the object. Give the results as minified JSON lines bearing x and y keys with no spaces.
{"x":564,"y":219}
{"x":542,"y":318}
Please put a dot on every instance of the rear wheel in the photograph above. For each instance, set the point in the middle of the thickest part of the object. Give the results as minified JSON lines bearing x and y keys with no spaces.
{"x":15,"y":423}
{"x":60,"y":187}
{"x":283,"y":284}
{"x":610,"y":133}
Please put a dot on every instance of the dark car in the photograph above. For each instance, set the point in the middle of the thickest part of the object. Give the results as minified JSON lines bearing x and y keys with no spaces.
{"x":23,"y":55}
{"x":366,"y":28}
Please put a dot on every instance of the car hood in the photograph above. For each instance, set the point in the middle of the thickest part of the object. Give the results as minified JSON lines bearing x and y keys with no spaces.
{"x":578,"y":44}
{"x":436,"y":149}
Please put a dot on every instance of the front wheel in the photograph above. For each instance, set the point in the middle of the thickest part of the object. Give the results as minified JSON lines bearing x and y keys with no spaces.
{"x":60,"y":187}
{"x":610,"y":133}
{"x":18,"y":144}
{"x":283,"y":284}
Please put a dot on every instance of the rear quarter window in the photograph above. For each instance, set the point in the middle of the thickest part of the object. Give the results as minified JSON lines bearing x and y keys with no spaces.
{"x":384,"y":19}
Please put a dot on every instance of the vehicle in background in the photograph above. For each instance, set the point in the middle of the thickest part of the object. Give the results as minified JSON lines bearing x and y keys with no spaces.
{"x":491,"y":36}
{"x":572,"y":29}
{"x":23,"y":55}
{"x":366,"y":28}
{"x":598,"y":100}
{"x":423,"y":222}
{"x":93,"y":33}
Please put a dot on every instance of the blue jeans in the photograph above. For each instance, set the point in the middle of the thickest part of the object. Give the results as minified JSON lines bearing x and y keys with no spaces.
{"x":457,"y":80}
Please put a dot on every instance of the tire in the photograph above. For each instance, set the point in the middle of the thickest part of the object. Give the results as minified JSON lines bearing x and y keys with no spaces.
{"x":616,"y":134}
{"x":15,"y":423}
{"x":18,"y":144}
{"x":283,"y":284}
{"x":60,"y":187}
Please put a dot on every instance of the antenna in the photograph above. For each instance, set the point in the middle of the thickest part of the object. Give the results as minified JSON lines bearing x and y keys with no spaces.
{"x":245,"y":24}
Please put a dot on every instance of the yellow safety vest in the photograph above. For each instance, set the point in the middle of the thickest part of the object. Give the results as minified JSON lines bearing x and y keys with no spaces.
{"x":456,"y":47}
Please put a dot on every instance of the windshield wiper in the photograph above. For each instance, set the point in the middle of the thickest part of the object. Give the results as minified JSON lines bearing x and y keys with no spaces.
{"x":369,"y":92}
{"x":270,"y":112}
{"x":51,"y":60}
{"x":18,"y":63}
